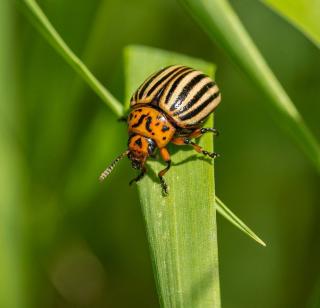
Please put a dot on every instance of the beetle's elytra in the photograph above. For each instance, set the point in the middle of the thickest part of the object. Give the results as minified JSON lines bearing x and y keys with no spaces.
{"x":170,"y":106}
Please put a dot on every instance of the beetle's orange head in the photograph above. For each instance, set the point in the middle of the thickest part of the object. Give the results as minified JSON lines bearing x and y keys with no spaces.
{"x":140,"y":148}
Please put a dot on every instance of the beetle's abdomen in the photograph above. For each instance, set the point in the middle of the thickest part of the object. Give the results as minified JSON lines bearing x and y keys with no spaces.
{"x":188,"y":96}
{"x":151,"y":123}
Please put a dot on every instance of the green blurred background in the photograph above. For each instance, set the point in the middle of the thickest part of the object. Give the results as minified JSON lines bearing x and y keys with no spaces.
{"x":67,"y":241}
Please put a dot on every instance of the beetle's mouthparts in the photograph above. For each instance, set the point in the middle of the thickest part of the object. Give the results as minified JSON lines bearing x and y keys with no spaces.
{"x":136,"y":164}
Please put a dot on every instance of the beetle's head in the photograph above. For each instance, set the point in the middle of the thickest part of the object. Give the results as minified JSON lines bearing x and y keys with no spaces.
{"x":140,"y":148}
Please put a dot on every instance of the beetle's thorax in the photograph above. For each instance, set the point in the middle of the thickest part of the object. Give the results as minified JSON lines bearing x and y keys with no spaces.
{"x":151,"y":123}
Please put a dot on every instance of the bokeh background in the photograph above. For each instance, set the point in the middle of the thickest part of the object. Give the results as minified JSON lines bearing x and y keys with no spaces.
{"x":67,"y":241}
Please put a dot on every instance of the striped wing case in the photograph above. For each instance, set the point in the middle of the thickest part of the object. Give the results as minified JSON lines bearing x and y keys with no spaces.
{"x":188,"y":96}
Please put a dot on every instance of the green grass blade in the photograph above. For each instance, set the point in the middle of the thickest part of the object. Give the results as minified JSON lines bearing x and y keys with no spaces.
{"x":303,"y":14}
{"x":314,"y":299}
{"x":181,"y":228}
{"x":232,"y":218}
{"x":53,"y":37}
{"x":57,"y":42}
{"x":222,"y":24}
{"x":12,"y":276}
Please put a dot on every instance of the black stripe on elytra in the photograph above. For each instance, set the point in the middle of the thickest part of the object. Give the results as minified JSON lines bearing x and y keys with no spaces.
{"x":200,"y":108}
{"x":139,"y":121}
{"x":148,"y":122}
{"x":175,"y":84}
{"x":136,"y":96}
{"x":186,"y":90}
{"x":151,"y":78}
{"x":195,"y":98}
{"x":167,"y":78}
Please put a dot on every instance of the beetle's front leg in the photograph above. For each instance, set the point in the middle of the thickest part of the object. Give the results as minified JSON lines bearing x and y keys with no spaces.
{"x":166,"y":157}
{"x":140,"y":176}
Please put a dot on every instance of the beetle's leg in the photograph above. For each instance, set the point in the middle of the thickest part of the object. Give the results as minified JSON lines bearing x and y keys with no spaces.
{"x":140,"y":176}
{"x":201,"y":131}
{"x":198,"y":148}
{"x":166,"y":157}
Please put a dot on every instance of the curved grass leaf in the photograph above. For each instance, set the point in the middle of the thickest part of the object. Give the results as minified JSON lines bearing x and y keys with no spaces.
{"x":303,"y":14}
{"x":53,"y":37}
{"x":232,"y":218}
{"x":181,"y":227}
{"x":221,"y":23}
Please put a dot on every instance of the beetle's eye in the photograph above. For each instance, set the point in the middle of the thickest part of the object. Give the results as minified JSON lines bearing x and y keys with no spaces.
{"x":151,"y":146}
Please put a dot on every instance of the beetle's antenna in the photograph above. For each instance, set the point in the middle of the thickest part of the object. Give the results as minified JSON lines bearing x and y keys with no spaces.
{"x":106,"y":172}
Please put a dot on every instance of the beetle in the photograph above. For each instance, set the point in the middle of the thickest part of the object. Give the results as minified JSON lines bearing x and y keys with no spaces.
{"x":169,"y":106}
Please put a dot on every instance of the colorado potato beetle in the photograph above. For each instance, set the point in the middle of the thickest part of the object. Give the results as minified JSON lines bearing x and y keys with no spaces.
{"x":169,"y":106}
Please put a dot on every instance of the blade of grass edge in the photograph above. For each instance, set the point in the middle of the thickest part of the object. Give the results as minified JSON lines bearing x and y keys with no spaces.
{"x":303,"y":14}
{"x":221,"y":23}
{"x":45,"y":27}
{"x":233,"y":219}
{"x":181,"y":227}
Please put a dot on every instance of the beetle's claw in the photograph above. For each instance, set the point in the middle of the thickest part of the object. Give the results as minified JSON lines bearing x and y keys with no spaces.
{"x":165,"y":191}
{"x":211,"y":154}
{"x":164,"y":187}
{"x":208,"y":129}
{"x":214,"y":155}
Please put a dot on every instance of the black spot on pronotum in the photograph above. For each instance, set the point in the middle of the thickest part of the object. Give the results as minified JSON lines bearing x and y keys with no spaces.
{"x":138,"y":142}
{"x":153,"y":133}
{"x":157,"y":124}
{"x":164,"y":138}
{"x":165,"y":128}
{"x":140,"y":120}
{"x":148,"y":122}
{"x":139,"y":110}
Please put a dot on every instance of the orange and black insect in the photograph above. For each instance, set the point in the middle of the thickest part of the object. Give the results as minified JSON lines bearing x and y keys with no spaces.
{"x":170,"y":106}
